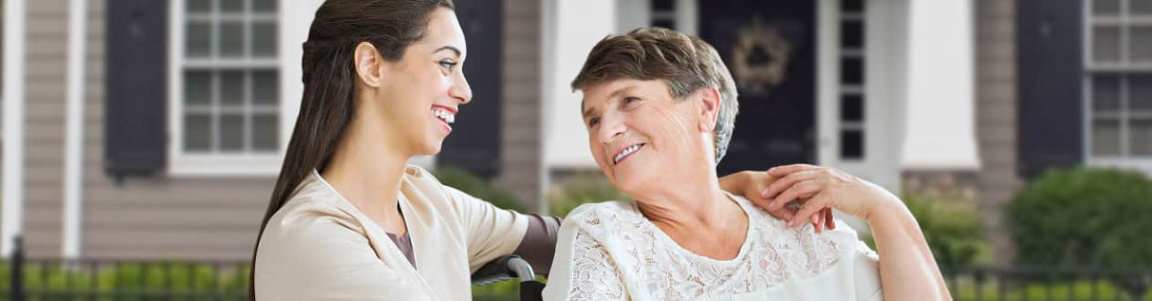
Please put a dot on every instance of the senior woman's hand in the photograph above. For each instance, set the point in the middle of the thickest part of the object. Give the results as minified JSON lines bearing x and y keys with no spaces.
{"x":907,"y":269}
{"x":752,"y":184}
{"x":818,"y":189}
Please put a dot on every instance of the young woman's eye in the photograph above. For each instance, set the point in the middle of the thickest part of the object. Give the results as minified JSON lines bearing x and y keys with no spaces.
{"x":448,"y":64}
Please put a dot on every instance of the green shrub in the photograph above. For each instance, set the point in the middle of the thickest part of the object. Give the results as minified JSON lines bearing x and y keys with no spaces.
{"x":478,"y":187}
{"x":1083,"y":217}
{"x":951,"y":227}
{"x":579,"y":189}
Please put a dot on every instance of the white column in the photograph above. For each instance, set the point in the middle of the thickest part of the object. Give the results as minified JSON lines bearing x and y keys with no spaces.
{"x":74,"y":143}
{"x":578,"y":25}
{"x":940,"y":129}
{"x":12,"y":205}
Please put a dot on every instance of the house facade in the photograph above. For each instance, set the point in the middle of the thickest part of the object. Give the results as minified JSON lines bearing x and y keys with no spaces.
{"x":161,"y":136}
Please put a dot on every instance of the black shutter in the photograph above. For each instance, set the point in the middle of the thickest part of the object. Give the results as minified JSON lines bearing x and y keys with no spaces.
{"x":1050,"y":71}
{"x":475,"y":140}
{"x":136,"y":97}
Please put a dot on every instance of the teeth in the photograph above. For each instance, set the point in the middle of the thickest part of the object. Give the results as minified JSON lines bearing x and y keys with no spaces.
{"x":626,"y":152}
{"x":448,"y":117}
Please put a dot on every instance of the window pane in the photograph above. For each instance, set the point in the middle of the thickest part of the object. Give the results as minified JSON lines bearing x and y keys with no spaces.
{"x":1141,"y":137}
{"x":231,"y":39}
{"x":1140,"y":7}
{"x":852,"y":70}
{"x":197,"y":132}
{"x":264,"y":39}
{"x":232,"y":6}
{"x":663,"y":5}
{"x":265,"y":88}
{"x":1140,"y":43}
{"x":1140,"y":92}
{"x":265,"y":132}
{"x":1105,"y":93}
{"x":264,"y":6}
{"x":851,"y":108}
{"x":1106,"y":7}
{"x":852,"y":34}
{"x":851,"y":144}
{"x":197,"y":88}
{"x":231,"y":132}
{"x":1105,"y":138}
{"x":1106,"y":44}
{"x":852,"y":5}
{"x":232,"y":88}
{"x":198,"y":39}
{"x":198,"y":6}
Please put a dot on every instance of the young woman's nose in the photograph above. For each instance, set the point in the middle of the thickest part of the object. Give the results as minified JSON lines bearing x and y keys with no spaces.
{"x":460,"y":90}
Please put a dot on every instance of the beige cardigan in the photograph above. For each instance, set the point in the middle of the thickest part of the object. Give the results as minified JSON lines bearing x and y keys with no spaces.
{"x":320,"y":247}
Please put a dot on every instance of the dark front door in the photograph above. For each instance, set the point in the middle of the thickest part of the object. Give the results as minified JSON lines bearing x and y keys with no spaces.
{"x":770,"y":48}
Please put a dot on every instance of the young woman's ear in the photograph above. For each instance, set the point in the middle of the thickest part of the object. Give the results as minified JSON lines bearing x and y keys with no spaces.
{"x":709,"y":108}
{"x":368,"y":64}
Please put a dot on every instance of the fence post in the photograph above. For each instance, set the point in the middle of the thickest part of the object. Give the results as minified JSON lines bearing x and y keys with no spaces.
{"x":17,"y":270}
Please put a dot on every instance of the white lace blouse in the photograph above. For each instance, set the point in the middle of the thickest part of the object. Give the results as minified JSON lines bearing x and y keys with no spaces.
{"x":609,"y":251}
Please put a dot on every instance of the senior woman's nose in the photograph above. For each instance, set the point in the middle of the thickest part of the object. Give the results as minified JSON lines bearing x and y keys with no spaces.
{"x":610,"y":127}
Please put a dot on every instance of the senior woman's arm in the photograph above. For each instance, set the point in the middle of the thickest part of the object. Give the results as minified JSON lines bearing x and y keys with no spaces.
{"x":907,"y":269}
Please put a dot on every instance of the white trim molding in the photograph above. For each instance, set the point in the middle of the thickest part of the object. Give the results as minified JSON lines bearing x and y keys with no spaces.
{"x":12,"y":205}
{"x":74,"y":143}
{"x":941,"y":96}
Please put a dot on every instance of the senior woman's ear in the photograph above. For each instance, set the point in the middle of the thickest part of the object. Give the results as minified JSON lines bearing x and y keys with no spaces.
{"x":709,"y":99}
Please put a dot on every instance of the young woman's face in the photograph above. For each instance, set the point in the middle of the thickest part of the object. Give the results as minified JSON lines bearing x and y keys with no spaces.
{"x":422,"y":92}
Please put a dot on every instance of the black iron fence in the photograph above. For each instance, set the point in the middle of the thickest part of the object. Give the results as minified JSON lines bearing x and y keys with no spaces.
{"x":95,"y":279}
{"x":1049,"y":283}
{"x":91,"y":279}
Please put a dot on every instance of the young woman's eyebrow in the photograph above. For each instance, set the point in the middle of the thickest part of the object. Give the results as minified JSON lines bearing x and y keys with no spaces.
{"x":451,"y":48}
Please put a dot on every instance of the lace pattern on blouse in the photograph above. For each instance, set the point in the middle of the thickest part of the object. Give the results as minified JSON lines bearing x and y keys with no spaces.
{"x":638,"y":253}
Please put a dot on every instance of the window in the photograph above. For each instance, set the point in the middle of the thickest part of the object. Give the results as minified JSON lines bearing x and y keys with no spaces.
{"x":664,"y":13}
{"x":852,"y":80}
{"x":1118,"y":79}
{"x":226,"y":101}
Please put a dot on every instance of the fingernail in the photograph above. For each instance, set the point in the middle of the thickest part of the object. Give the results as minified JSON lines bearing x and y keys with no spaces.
{"x":764,"y":193}
{"x":793,"y":223}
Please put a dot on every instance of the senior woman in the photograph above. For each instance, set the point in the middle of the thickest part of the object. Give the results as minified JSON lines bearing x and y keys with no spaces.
{"x":659,"y":108}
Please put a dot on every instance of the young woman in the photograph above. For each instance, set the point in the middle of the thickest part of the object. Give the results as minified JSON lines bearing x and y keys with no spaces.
{"x":348,"y":219}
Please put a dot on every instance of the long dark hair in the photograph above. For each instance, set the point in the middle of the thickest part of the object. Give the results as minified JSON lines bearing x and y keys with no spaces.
{"x":329,"y":82}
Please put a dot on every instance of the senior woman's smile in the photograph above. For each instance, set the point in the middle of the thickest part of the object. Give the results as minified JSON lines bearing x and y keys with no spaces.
{"x":639,"y":133}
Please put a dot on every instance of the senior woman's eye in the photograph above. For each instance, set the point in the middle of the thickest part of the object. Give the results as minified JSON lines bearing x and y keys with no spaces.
{"x":593,"y":121}
{"x":628,"y":100}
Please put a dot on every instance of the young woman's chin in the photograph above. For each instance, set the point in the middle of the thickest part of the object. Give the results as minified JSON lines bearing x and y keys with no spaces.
{"x":430,"y":147}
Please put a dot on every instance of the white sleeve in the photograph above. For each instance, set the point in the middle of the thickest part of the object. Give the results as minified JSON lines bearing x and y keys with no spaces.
{"x":866,"y":270}
{"x":490,"y":232}
{"x":582,"y":268}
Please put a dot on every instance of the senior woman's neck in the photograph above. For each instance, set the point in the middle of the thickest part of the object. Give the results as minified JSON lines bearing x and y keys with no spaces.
{"x":677,"y":206}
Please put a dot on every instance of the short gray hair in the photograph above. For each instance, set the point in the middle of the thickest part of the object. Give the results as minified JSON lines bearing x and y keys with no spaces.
{"x":685,"y":63}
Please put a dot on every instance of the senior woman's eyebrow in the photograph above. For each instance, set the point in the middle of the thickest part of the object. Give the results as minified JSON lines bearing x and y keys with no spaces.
{"x":589,"y":112}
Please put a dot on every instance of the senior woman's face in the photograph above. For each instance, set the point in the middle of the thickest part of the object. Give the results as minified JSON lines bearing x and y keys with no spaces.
{"x":639,"y":134}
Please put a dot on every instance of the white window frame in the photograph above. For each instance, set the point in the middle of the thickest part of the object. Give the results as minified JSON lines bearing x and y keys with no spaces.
{"x":181,"y":163}
{"x":1123,"y":69}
